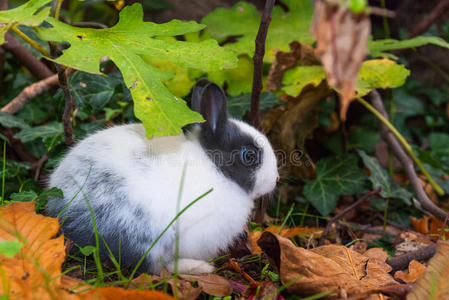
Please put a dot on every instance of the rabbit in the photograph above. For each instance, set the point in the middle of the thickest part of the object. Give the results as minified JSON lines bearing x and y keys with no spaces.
{"x":133,"y":185}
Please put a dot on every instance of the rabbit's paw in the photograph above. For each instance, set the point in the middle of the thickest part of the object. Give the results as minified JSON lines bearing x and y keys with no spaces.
{"x":191,"y":266}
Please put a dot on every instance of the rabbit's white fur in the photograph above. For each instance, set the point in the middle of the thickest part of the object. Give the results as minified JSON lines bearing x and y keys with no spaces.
{"x":151,"y":171}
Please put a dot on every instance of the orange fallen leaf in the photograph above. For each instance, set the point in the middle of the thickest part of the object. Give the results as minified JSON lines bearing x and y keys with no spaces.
{"x":429,"y":225}
{"x":415,"y":271}
{"x":342,"y":38}
{"x":434,"y":283}
{"x":35,"y":272}
{"x":326,"y":268}
{"x":212,"y":284}
{"x":285,"y":232}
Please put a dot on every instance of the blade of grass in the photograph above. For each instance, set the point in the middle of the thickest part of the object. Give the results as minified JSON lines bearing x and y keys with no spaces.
{"x":3,"y":171}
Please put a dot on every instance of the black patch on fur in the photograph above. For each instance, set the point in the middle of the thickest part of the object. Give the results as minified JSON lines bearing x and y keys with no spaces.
{"x":224,"y":149}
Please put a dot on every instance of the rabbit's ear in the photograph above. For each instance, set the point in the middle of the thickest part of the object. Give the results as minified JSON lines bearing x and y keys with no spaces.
{"x":198,"y":90}
{"x":213,"y":107}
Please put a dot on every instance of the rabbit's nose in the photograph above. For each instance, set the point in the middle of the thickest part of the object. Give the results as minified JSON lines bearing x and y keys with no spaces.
{"x":277,"y":179}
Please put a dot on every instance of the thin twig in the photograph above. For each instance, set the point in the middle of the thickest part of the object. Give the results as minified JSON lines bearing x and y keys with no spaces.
{"x":345,"y":211}
{"x":26,"y":57}
{"x":38,"y":166}
{"x":406,"y":162}
{"x":68,"y":107}
{"x":425,"y":24}
{"x":401,"y":262}
{"x":443,"y":227}
{"x":258,"y":63}
{"x":31,"y":92}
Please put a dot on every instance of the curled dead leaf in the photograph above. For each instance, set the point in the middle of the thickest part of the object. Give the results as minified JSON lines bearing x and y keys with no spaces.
{"x":415,"y":271}
{"x":342,"y":38}
{"x":211,"y":284}
{"x":323,"y":269}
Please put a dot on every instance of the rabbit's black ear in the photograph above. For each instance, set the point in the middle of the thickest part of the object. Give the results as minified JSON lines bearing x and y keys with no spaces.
{"x":198,"y":90}
{"x":213,"y":107}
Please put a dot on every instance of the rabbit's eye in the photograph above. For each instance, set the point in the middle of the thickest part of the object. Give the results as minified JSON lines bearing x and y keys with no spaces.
{"x":249,"y":156}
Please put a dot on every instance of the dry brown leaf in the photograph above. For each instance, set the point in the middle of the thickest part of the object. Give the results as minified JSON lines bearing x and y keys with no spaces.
{"x":342,"y":38}
{"x":429,"y":225}
{"x":434,"y":284}
{"x":376,"y":253}
{"x":286,"y":232}
{"x":415,"y":271}
{"x":212,"y":284}
{"x":35,"y":272}
{"x":326,"y":268}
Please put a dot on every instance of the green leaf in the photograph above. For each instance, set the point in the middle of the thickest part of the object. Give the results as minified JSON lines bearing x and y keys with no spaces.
{"x":334,"y":177}
{"x":379,"y":178}
{"x":380,"y":74}
{"x":160,"y":111}
{"x":299,"y":77}
{"x":242,"y":21}
{"x":26,"y":196}
{"x":10,"y":248}
{"x":49,"y":130}
{"x":14,"y":168}
{"x":239,"y":80}
{"x":87,"y":250}
{"x":376,"y":48}
{"x":92,"y":90}
{"x":10,"y":121}
{"x":239,"y":105}
{"x":24,"y":14}
{"x":439,"y":143}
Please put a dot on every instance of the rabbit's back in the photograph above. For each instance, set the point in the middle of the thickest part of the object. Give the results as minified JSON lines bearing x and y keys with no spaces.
{"x":132,"y":185}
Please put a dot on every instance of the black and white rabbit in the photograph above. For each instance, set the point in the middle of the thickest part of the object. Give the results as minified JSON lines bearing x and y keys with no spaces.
{"x":132,"y":184}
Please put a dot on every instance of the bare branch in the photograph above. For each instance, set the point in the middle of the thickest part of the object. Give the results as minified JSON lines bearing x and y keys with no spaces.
{"x":406,"y":162}
{"x":402,"y":261}
{"x":26,"y":57}
{"x":425,"y":24}
{"x":31,"y":92}
{"x":258,"y":63}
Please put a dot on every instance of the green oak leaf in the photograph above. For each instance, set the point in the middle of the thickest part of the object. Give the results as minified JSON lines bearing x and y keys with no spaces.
{"x":51,"y":129}
{"x":242,"y":21}
{"x":10,"y":248}
{"x":25,"y":196}
{"x":299,"y":77}
{"x":24,"y":14}
{"x":378,"y":48}
{"x":334,"y":177}
{"x":380,"y":178}
{"x":380,"y":74}
{"x":161,"y":112}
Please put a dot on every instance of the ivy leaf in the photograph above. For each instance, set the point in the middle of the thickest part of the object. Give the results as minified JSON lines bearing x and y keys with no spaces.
{"x":379,"y":178}
{"x":380,"y":74}
{"x":160,"y":111}
{"x":243,"y":20}
{"x":334,"y":177}
{"x":25,"y":196}
{"x":10,"y":248}
{"x":296,"y":79}
{"x":238,"y":106}
{"x":48,"y":130}
{"x":10,"y":121}
{"x":377,"y":48}
{"x":24,"y":14}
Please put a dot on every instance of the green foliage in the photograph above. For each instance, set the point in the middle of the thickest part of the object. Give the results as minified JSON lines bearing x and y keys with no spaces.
{"x":299,"y":77}
{"x":9,"y":121}
{"x":26,"y":14}
{"x":379,"y":178}
{"x":380,"y":74}
{"x":51,"y":129}
{"x":161,"y":112}
{"x":242,"y":21}
{"x":334,"y":177}
{"x":40,"y":199}
{"x":239,"y":105}
{"x":10,"y":248}
{"x":378,"y":48}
